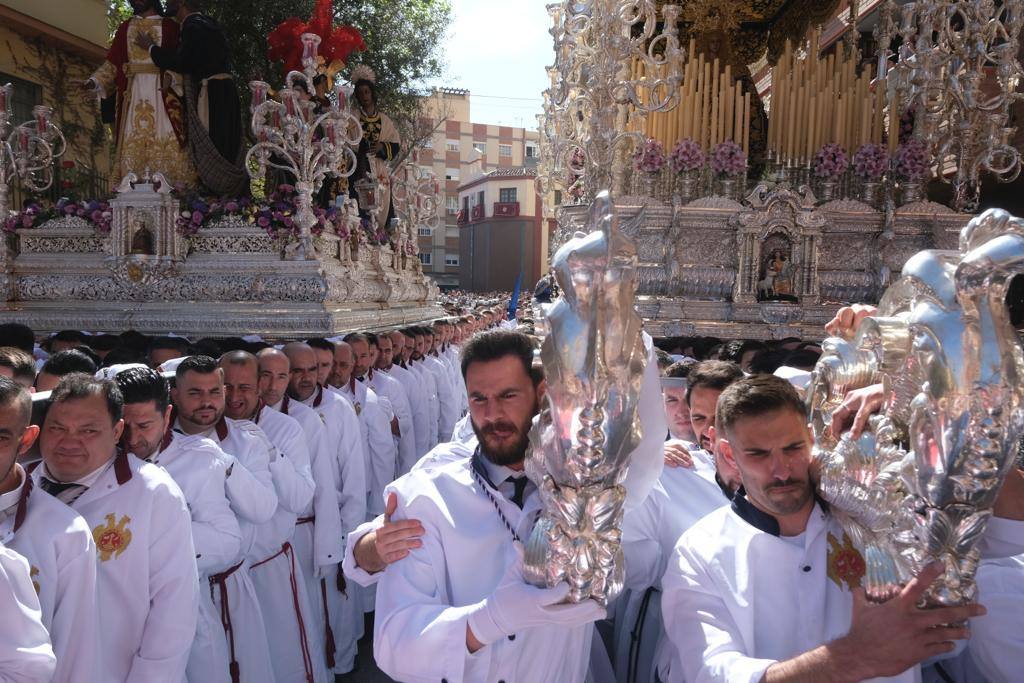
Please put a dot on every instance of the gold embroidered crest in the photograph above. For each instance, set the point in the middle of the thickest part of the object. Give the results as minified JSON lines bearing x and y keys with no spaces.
{"x":845,"y":563}
{"x":33,"y":572}
{"x":112,"y":538}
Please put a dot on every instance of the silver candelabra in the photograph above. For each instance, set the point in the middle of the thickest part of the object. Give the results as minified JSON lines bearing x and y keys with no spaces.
{"x":957,"y":72}
{"x":610,"y":56}
{"x":27,"y":150}
{"x":292,"y":137}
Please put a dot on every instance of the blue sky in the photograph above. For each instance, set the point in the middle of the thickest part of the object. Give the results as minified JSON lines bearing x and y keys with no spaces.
{"x":505,"y":77}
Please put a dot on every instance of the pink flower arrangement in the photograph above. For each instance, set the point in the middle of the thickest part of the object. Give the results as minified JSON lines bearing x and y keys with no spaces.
{"x":650,"y":158}
{"x":911,"y":161}
{"x":728,"y":159}
{"x":831,"y":162}
{"x":870,"y":162}
{"x":687,"y":156}
{"x":93,"y":211}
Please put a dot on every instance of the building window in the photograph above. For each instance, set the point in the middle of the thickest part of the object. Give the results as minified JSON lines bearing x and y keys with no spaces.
{"x":480,"y":147}
{"x":425,"y":232}
{"x":452,"y":146}
{"x":507,"y":195}
{"x":504,"y":150}
{"x":480,"y":198}
{"x":426,"y":258}
{"x":451,"y":259}
{"x":453,"y":204}
{"x":428,"y":143}
{"x":26,"y":96}
{"x":531,"y":151}
{"x":558,"y":197}
{"x":451,"y":174}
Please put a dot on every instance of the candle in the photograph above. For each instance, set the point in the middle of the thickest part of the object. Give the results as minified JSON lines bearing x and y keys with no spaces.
{"x":291,"y":101}
{"x":259,"y":93}
{"x":23,"y":138}
{"x":42,"y":114}
{"x":746,"y":124}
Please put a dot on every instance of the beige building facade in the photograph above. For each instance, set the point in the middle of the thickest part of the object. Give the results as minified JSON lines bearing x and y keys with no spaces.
{"x":453,"y":150}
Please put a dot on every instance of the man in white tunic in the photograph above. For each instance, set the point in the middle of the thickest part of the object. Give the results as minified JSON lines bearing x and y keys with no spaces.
{"x":26,"y":655}
{"x":54,"y":539}
{"x":391,"y":389}
{"x":412,"y":354}
{"x":446,"y":393}
{"x":199,"y":467}
{"x":277,"y":577}
{"x":392,"y":363}
{"x":757,"y":592}
{"x":147,"y":582}
{"x":457,"y":608}
{"x":342,"y":425}
{"x":318,"y":540}
{"x":198,"y":398}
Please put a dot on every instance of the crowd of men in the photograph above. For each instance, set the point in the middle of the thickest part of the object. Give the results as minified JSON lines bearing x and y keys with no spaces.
{"x":229,"y":510}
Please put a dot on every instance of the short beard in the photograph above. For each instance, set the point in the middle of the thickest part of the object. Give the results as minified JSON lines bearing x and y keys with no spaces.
{"x":513,"y":454}
{"x":787,"y":506}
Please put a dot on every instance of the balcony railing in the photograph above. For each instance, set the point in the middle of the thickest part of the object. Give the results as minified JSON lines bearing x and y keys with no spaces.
{"x":477,"y":213}
{"x":509,"y":209}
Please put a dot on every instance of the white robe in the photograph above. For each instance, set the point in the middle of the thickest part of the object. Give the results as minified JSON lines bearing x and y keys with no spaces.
{"x":318,"y":539}
{"x":349,"y":469}
{"x":25,"y":652}
{"x":996,"y":647}
{"x":199,"y":467}
{"x":277,"y":575}
{"x":253,"y":498}
{"x":426,"y":381}
{"x":146,"y":581}
{"x":379,"y":450}
{"x":57,"y":543}
{"x":423,"y":601}
{"x":737,"y":599}
{"x":447,"y":397}
{"x":418,"y":405}
{"x":390,"y":388}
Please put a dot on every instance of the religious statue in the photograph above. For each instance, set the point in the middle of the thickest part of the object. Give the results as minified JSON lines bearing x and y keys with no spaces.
{"x":212,"y":109}
{"x":778,"y":281}
{"x":149,"y":127}
{"x":142,"y":239}
{"x":380,"y":144}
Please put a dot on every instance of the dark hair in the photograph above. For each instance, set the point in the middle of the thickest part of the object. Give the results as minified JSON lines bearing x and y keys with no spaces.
{"x":18,"y":336}
{"x":712,"y":374}
{"x":754,"y":396}
{"x":320,"y":344}
{"x":681,"y":368}
{"x":372,"y":339}
{"x":769,"y":361}
{"x":134,"y":339}
{"x":68,"y":336}
{"x":496,"y":344}
{"x":167,"y":344}
{"x":14,"y":395}
{"x":355,"y":337}
{"x":104,"y":342}
{"x":663,"y":357}
{"x":21,"y":363}
{"x":368,"y":83}
{"x":802,"y":358}
{"x":78,"y":385}
{"x":122,"y":355}
{"x":206,"y":347}
{"x":409,"y":332}
{"x":142,"y":385}
{"x":66,"y":362}
{"x":203,"y":365}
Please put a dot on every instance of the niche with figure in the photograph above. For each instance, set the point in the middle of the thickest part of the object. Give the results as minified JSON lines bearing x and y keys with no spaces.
{"x":778,"y":270}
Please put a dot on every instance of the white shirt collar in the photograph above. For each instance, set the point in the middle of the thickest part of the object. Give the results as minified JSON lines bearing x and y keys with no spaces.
{"x":10,"y":499}
{"x":89,"y":479}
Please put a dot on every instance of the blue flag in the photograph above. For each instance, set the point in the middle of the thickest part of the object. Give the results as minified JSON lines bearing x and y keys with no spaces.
{"x":514,"y":304}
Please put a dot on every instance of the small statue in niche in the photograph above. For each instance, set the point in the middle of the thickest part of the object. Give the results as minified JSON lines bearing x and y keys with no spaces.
{"x":778,"y":281}
{"x":142,"y":239}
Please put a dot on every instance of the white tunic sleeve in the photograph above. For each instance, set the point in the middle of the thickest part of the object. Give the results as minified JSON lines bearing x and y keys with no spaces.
{"x":215,"y":532}
{"x":699,"y":624}
{"x":75,"y":622}
{"x":293,"y":481}
{"x":25,"y":652}
{"x":383,"y":452}
{"x":252,"y":498}
{"x":349,"y":566}
{"x":328,"y":536}
{"x":997,"y":643}
{"x":352,"y":486}
{"x":173,"y":592}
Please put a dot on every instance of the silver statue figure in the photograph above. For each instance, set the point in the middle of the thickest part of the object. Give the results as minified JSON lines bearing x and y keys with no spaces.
{"x":594,"y":357}
{"x":920,"y":483}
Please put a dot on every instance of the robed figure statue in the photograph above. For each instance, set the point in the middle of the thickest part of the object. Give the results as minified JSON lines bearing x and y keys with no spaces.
{"x":148,"y":119}
{"x":380,"y":144}
{"x":212,"y":108}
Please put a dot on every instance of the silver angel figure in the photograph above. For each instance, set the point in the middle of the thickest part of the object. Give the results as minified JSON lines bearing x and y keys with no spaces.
{"x":594,"y":359}
{"x":919,"y":485}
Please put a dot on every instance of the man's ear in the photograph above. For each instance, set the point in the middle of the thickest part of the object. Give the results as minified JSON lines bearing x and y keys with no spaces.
{"x":725,"y":448}
{"x":28,"y":438}
{"x":167,"y":417}
{"x":118,"y":431}
{"x":542,"y":389}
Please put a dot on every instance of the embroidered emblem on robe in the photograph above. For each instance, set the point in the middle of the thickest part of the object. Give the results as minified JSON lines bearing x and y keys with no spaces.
{"x":845,"y":563}
{"x":112,"y":538}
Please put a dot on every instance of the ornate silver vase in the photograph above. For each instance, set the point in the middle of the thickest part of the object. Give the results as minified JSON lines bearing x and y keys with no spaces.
{"x":869,"y":192}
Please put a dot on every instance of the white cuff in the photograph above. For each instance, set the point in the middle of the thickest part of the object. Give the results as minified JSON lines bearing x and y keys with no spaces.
{"x":483,"y":626}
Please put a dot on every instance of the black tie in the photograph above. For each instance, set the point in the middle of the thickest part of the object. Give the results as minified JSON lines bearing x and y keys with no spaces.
{"x":520,"y":488}
{"x":56,"y":488}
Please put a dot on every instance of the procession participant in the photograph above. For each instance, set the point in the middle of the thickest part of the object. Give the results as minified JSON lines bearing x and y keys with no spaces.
{"x":349,"y":469}
{"x":754,"y":592}
{"x":446,"y":393}
{"x":705,"y":383}
{"x":163,"y":349}
{"x":200,"y":468}
{"x":26,"y":655}
{"x":212,"y":110}
{"x":457,"y":608}
{"x":18,"y":335}
{"x":318,"y":539}
{"x":391,"y":389}
{"x":148,"y":122}
{"x":449,"y":357}
{"x":374,"y":422}
{"x":280,"y":585}
{"x":412,"y":353}
{"x":198,"y":397}
{"x":146,"y":579}
{"x":677,"y":410}
{"x":55,"y":540}
{"x":60,"y":364}
{"x":324,"y":350}
{"x":18,"y":365}
{"x":394,"y":365}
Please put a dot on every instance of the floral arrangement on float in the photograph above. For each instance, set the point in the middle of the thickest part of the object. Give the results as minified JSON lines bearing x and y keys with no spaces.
{"x":728,"y":162}
{"x":95,"y":212}
{"x":910,"y":166}
{"x":687,"y":160}
{"x":870,"y":162}
{"x":830,"y":163}
{"x":650,"y":158}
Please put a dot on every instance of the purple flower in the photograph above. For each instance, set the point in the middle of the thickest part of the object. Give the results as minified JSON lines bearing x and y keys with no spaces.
{"x":197,"y":217}
{"x":650,"y":158}
{"x":26,"y":221}
{"x":71,"y":209}
{"x":728,"y":159}
{"x":686,"y":156}
{"x":830,"y":162}
{"x":263,"y":222}
{"x":231,"y":207}
{"x":870,"y":162}
{"x":96,"y":216}
{"x":911,"y":161}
